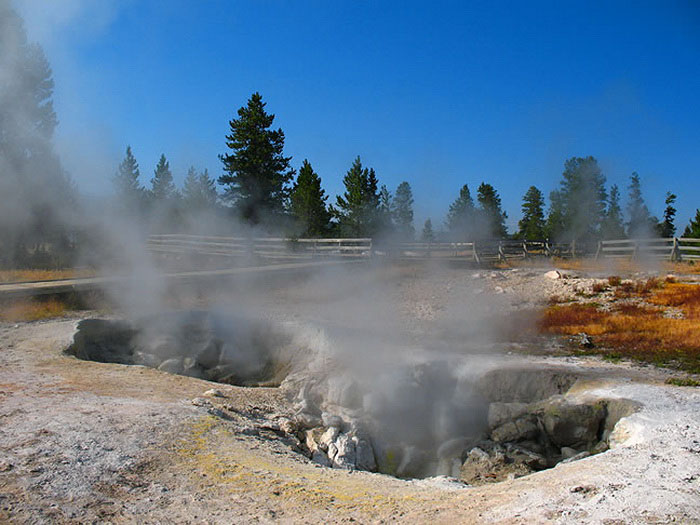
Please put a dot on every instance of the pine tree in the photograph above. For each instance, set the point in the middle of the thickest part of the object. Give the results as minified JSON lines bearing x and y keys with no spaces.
{"x":532,"y":225}
{"x":555,"y":227}
{"x":385,"y":223}
{"x":198,"y":191}
{"x":613,"y":226}
{"x":428,"y":235}
{"x":308,"y":203}
{"x":257,"y":172}
{"x":583,"y":198}
{"x":126,"y":181}
{"x":38,"y":197}
{"x":460,"y":217}
{"x":490,"y":211}
{"x":358,"y":206}
{"x":402,"y":211}
{"x":693,"y":229}
{"x":641,"y":223}
{"x":162,"y":185}
{"x":667,"y":228}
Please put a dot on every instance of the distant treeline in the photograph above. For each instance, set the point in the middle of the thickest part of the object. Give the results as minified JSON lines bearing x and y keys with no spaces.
{"x":260,"y":189}
{"x":43,"y":222}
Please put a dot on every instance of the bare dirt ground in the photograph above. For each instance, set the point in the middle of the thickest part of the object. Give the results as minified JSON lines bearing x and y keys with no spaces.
{"x":86,"y":442}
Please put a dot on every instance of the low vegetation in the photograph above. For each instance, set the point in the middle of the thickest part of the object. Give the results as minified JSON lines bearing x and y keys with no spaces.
{"x":18,"y":276}
{"x":33,"y":309}
{"x":652,"y":320}
{"x":49,"y":306}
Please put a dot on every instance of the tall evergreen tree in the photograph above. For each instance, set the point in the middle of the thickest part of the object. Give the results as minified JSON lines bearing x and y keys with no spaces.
{"x":460,"y":217}
{"x":308,"y":203}
{"x":198,"y":191}
{"x":693,"y":229}
{"x":494,"y":218}
{"x":257,"y":172}
{"x":162,"y":185}
{"x":128,"y":190}
{"x":358,"y":206}
{"x":385,"y":222}
{"x":583,"y":199}
{"x":613,"y":226}
{"x":38,"y":198}
{"x":555,"y":228}
{"x":667,"y":228}
{"x":641,"y":223}
{"x":402,"y":211}
{"x":428,"y":235}
{"x":532,"y":225}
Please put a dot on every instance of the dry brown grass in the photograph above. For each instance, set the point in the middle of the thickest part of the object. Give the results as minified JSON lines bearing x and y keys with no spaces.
{"x":638,"y":331}
{"x":15,"y":276}
{"x":32,"y":309}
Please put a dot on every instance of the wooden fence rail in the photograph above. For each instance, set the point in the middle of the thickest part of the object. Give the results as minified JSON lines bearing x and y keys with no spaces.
{"x":674,"y":248}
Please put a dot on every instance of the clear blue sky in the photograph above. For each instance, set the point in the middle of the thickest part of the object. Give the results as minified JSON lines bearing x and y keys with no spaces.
{"x":436,"y":93}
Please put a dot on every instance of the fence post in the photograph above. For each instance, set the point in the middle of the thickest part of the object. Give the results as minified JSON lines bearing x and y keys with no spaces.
{"x":600,"y":248}
{"x":676,"y":251}
{"x":476,"y":253}
{"x":526,"y":255}
{"x":501,"y":255}
{"x":636,"y":249}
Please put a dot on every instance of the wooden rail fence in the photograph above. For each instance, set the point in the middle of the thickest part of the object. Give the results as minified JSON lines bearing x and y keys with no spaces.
{"x":671,"y":248}
{"x":674,"y":248}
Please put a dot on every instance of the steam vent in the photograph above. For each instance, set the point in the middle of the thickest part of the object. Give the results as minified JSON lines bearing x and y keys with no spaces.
{"x":426,"y":419}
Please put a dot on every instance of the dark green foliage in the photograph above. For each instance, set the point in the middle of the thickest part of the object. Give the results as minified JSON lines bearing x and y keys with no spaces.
{"x":428,"y":235}
{"x":126,"y":181}
{"x":308,"y":203}
{"x":460,"y":217}
{"x":358,"y":206}
{"x":39,"y":200}
{"x":198,"y":191}
{"x":613,"y":226}
{"x":532,"y":225}
{"x":385,"y":224}
{"x":641,"y":223}
{"x":402,"y":211}
{"x":580,"y":201}
{"x":667,"y":228}
{"x":162,"y":185}
{"x":555,"y":227}
{"x":257,"y":173}
{"x":491,"y":215}
{"x":693,"y":228}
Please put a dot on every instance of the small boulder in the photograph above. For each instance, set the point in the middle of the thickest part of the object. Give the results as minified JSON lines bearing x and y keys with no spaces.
{"x":523,"y":428}
{"x":500,"y":413}
{"x":346,"y":456}
{"x":320,"y":457}
{"x":365,"y":454}
{"x":553,"y":274}
{"x":209,"y":357}
{"x":585,"y":340}
{"x":574,"y":426}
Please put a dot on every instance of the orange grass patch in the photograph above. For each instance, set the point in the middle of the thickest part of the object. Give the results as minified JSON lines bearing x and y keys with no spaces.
{"x":682,"y":295}
{"x":638,"y":331}
{"x":15,"y":276}
{"x":32,"y":309}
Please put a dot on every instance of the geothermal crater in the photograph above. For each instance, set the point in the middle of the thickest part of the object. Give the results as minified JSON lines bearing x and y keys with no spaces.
{"x":200,"y":344}
{"x":428,"y":416}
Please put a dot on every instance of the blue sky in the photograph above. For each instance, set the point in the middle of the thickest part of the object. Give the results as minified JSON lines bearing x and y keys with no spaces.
{"x":436,"y":93}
